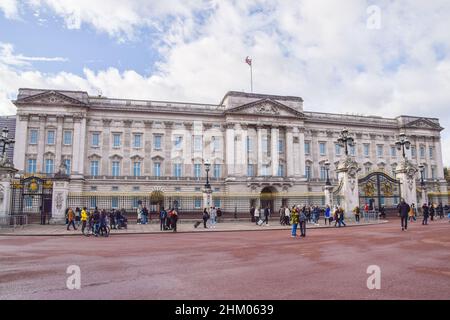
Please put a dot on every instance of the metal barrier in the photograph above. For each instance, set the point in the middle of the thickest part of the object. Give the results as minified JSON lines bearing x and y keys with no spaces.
{"x":14,"y":221}
{"x":372,"y":215}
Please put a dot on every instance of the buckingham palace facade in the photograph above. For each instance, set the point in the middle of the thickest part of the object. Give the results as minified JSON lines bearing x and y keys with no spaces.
{"x":118,"y":152}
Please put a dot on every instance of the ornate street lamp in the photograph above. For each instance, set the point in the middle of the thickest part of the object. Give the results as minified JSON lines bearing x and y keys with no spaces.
{"x":5,"y":143}
{"x":345,"y":140}
{"x":403,"y":144}
{"x":422,"y":173}
{"x":327,"y":168}
{"x":207,"y":167}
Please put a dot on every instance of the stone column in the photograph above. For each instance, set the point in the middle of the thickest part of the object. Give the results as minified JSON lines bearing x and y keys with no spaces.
{"x":328,"y":192}
{"x":59,"y":199}
{"x":301,"y":159}
{"x":187,"y":150}
{"x":260,"y":153}
{"x":274,"y":150}
{"x":6,"y":175}
{"x":167,"y":149}
{"x":20,"y":146}
{"x":229,"y":157}
{"x":41,"y":144}
{"x":347,"y":170}
{"x":243,"y":151}
{"x":127,"y":147}
{"x":148,"y":140}
{"x":289,"y":152}
{"x":105,"y":147}
{"x":406,"y":173}
{"x":438,"y":157}
{"x":59,"y":139}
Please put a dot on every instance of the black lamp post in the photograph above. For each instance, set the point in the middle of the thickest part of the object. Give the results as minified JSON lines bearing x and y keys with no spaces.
{"x":5,"y":143}
{"x":327,"y":168}
{"x":422,"y":173}
{"x":403,"y":144}
{"x":345,"y":140}
{"x":207,"y":167}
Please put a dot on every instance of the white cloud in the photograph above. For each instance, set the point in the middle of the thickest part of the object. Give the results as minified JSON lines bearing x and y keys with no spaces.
{"x":8,"y":57}
{"x":320,"y":50}
{"x":9,"y":8}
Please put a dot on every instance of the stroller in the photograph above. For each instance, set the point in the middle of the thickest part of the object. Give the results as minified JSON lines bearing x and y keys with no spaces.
{"x":122,"y":222}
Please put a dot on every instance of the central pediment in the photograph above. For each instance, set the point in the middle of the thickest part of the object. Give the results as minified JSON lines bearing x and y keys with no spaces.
{"x":265,"y":107}
{"x":50,"y":97}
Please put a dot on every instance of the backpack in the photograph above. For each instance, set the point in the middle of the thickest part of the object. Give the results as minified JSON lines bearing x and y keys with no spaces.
{"x":163,"y":214}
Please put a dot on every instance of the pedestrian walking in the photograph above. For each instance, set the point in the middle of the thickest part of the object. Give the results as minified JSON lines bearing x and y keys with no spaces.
{"x":266,"y":215}
{"x":71,"y":219}
{"x":282,"y":216}
{"x":341,"y":217}
{"x":205,"y":217}
{"x":294,"y":222}
{"x":327,"y":215}
{"x":412,"y":213}
{"x":432,"y":211}
{"x":257,"y":210}
{"x":174,"y":219}
{"x":287,"y":213}
{"x":77,"y":216}
{"x":403,"y":209}
{"x":426,"y":213}
{"x":302,"y":223}
{"x":252,"y":214}
{"x":162,"y":219}
{"x":440,"y":211}
{"x":357,"y":214}
{"x":84,"y":218}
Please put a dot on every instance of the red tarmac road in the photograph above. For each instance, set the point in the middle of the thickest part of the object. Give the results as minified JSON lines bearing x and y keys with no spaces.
{"x":328,"y":264}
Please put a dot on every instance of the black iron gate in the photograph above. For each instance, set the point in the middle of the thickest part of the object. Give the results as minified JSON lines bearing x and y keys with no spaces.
{"x":379,"y":189}
{"x":32,"y":196}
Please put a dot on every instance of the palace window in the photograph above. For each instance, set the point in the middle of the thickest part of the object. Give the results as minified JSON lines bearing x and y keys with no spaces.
{"x":49,"y":166}
{"x":352,"y":150}
{"x":67,"y":137}
{"x":308,"y":172}
{"x":157,"y":142}
{"x":217,"y":171}
{"x":178,"y":142}
{"x":393,"y":152}
{"x":94,"y":168}
{"x":379,"y":151}
{"x":50,"y":137}
{"x":31,"y":166}
{"x":250,"y":170}
{"x":433,"y":172}
{"x":280,"y":146}
{"x":116,"y":140}
{"x":34,"y":136}
{"x":216,"y":144}
{"x":322,"y":148}
{"x":157,"y":169}
{"x":177,"y":170}
{"x":68,"y":164}
{"x":281,"y":170}
{"x":413,"y":152}
{"x":197,"y":203}
{"x":431,"y":150}
{"x":422,"y":151}
{"x":198,"y":143}
{"x":249,"y":144}
{"x":137,"y":140}
{"x":95,"y":139}
{"x":366,"y":148}
{"x":115,"y":168}
{"x":338,"y":149}
{"x":197,"y":170}
{"x":115,"y":202}
{"x":137,"y":169}
{"x":307,"y":147}
{"x":323,"y":173}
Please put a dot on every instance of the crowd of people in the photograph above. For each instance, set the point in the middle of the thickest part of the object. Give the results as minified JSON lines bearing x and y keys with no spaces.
{"x":297,"y":216}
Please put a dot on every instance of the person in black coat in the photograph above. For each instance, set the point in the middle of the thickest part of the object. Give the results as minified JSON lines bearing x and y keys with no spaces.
{"x":426,"y":213}
{"x":266,"y":215}
{"x":403,"y":209}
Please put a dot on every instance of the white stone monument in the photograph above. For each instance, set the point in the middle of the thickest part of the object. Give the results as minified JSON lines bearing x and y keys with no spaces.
{"x":347,"y":175}
{"x":406,"y":173}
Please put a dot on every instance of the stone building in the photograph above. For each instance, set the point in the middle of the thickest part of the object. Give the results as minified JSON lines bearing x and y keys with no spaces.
{"x":263,"y":149}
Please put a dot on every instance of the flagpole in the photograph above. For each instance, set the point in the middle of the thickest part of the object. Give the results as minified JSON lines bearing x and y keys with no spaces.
{"x":251,"y":77}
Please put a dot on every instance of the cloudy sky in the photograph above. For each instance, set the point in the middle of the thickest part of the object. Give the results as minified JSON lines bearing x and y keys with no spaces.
{"x":383,"y":58}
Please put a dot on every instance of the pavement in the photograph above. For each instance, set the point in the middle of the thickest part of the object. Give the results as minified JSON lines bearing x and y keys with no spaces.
{"x":153,"y":227}
{"x":330,"y":263}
